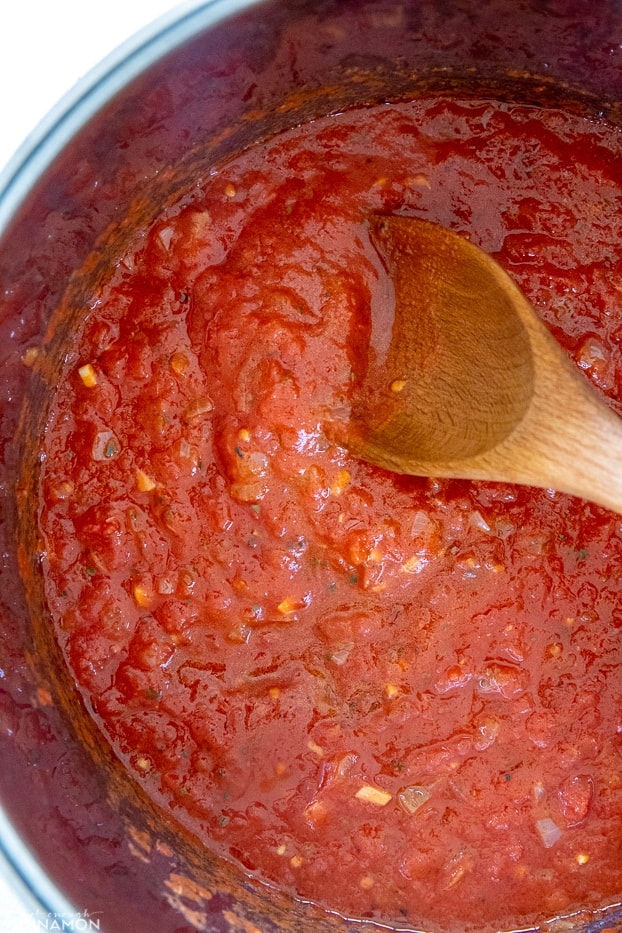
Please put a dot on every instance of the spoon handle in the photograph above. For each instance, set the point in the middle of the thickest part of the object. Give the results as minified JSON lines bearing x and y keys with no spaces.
{"x":574,"y":438}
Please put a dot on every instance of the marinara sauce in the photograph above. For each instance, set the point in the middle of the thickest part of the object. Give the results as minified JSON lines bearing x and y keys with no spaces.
{"x":400,"y":698}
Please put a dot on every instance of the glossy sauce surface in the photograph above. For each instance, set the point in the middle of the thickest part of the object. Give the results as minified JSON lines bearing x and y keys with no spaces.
{"x":400,"y":698}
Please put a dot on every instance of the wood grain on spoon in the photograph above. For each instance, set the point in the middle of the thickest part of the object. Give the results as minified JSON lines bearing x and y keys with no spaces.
{"x":473,"y":385}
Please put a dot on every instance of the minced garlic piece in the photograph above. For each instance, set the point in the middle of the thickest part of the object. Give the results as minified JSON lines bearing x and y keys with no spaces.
{"x":375,"y":795}
{"x":341,"y":481}
{"x":88,"y":375}
{"x":30,"y":356}
{"x":144,"y":482}
{"x":398,"y":385}
{"x":290,"y":604}
{"x":418,"y":180}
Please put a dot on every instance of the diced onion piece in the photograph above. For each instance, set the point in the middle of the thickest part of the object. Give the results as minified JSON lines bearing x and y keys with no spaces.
{"x":62,"y":491}
{"x":198,"y":408}
{"x":248,"y":492}
{"x":549,"y":831}
{"x":414,"y":564}
{"x":422,"y":524}
{"x":179,"y":362}
{"x":315,"y":813}
{"x":200,"y":225}
{"x":595,"y":358}
{"x":240,"y":634}
{"x":342,"y":654}
{"x":165,"y":586}
{"x":539,"y":791}
{"x":341,"y":769}
{"x":487,"y":732}
{"x":106,"y":446}
{"x":375,"y":795}
{"x":456,"y":867}
{"x":477,"y":520}
{"x":253,"y":464}
{"x":165,"y":235}
{"x":185,"y":449}
{"x":592,"y":352}
{"x":88,"y":375}
{"x":413,"y":797}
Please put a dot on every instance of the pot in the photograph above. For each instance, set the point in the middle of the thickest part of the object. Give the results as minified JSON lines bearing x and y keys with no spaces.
{"x":90,"y":850}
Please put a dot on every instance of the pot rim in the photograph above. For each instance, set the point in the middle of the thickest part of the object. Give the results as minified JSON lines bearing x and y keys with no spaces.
{"x":18,"y":860}
{"x":37,"y":893}
{"x":19,"y":865}
{"x":98,"y":86}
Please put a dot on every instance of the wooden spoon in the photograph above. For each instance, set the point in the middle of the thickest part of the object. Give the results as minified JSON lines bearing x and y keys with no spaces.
{"x":473,"y":385}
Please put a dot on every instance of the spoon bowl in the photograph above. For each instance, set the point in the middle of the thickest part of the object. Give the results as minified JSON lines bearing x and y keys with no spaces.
{"x":473,"y":385}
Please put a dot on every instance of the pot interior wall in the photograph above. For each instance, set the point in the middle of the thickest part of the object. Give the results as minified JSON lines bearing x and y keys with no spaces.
{"x":257,"y":73}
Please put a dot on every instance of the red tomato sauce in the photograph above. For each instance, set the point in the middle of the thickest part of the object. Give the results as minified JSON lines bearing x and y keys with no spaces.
{"x":400,"y":698}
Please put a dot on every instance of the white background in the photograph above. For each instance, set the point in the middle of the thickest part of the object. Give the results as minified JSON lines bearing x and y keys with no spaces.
{"x":46,"y":46}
